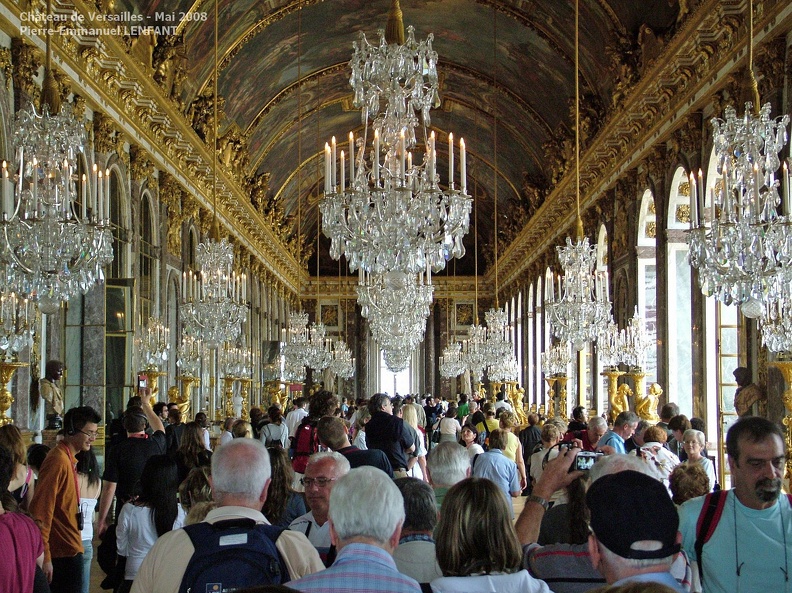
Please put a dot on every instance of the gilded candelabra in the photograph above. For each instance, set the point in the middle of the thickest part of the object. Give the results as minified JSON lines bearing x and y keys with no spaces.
{"x":549,"y":407}
{"x":7,"y":370}
{"x":639,"y":380}
{"x":228,"y":390}
{"x":185,"y":398}
{"x":562,"y":397}
{"x":613,"y":374}
{"x":154,"y":376}
{"x":244,"y":392}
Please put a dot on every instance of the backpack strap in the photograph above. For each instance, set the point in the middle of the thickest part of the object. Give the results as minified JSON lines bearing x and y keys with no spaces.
{"x":473,"y":465}
{"x":707,"y":522}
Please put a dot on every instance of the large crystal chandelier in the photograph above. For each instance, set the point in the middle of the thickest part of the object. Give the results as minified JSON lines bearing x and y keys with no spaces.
{"x":392,"y":214}
{"x":451,"y":363}
{"x":746,"y":243}
{"x":153,"y":345}
{"x":214,"y":301}
{"x":474,"y":352}
{"x":499,"y":347}
{"x":213,"y":305}
{"x":55,"y":243}
{"x":294,"y":339}
{"x":776,"y":321}
{"x":17,"y":325}
{"x":581,"y":308}
{"x":396,"y":305}
{"x":318,"y":353}
{"x":236,"y":361}
{"x":343,"y":364}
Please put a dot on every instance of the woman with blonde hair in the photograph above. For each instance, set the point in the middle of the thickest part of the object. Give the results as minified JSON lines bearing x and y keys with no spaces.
{"x":22,"y":482}
{"x":242,"y":430}
{"x":514,"y":451}
{"x":363,"y":416}
{"x":410,"y":416}
{"x":476,"y":544}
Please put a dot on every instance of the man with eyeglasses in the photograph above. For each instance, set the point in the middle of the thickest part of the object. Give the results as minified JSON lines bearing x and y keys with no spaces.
{"x":321,"y":473}
{"x":750,"y":543}
{"x":55,"y":505}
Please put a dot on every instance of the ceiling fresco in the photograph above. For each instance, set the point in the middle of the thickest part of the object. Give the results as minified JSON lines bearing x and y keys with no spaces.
{"x":283,"y":70}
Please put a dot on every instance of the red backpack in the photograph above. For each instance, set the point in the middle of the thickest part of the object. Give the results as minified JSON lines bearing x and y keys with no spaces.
{"x":306,"y":443}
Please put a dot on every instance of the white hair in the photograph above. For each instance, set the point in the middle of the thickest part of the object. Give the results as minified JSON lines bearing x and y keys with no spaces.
{"x":697,"y":434}
{"x":241,"y":468}
{"x":366,"y":503}
{"x":597,"y":422}
{"x":448,"y":464}
{"x":341,"y":463}
{"x":622,"y":564}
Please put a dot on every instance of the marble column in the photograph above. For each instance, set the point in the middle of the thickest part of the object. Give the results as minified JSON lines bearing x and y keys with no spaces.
{"x":93,"y":350}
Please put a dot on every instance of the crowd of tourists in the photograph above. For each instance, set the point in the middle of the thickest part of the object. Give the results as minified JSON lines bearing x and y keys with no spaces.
{"x":394,"y":495}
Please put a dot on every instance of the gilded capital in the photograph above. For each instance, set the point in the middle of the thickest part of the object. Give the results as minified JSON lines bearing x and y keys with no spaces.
{"x":26,"y":66}
{"x":140,"y":166}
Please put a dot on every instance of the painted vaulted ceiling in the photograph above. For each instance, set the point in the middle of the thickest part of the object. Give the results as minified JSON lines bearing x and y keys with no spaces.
{"x":284,"y":79}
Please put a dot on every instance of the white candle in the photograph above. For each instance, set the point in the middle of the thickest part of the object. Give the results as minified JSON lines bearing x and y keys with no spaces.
{"x":451,"y":160}
{"x":343,"y":173}
{"x":403,"y":151}
{"x":184,"y":285}
{"x":107,"y":194}
{"x":327,"y":168}
{"x":463,"y":165}
{"x":785,"y":189}
{"x":700,"y":193}
{"x":333,"y":148}
{"x":84,"y":196}
{"x":99,"y":198}
{"x":433,"y":156}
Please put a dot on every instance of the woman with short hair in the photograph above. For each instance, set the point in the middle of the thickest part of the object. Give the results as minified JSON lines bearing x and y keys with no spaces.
{"x":694,"y":442}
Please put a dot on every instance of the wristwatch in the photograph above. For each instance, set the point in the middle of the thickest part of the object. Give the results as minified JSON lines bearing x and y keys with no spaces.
{"x":539,"y":500}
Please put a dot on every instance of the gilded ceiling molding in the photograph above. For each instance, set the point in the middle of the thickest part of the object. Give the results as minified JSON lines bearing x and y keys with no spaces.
{"x":770,"y":66}
{"x":26,"y":62}
{"x":104,"y":133}
{"x":693,"y":66}
{"x":140,"y":166}
{"x":6,"y":65}
{"x":118,"y":82}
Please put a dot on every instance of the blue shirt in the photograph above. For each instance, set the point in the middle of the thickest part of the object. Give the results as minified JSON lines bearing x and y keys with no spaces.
{"x":755,"y":542}
{"x":612,"y":439}
{"x":495,"y":466}
{"x":359,"y":568}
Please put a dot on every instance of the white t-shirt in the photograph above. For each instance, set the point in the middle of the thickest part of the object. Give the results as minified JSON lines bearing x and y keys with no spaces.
{"x":136,"y":535}
{"x":294,"y":418}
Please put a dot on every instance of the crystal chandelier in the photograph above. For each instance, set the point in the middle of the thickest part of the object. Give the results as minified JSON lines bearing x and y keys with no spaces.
{"x":235,"y":361}
{"x":396,"y":358}
{"x":318,"y":353}
{"x":213,"y":304}
{"x":499,"y":347}
{"x":189,"y":355}
{"x":343,"y":364}
{"x":396,"y":305}
{"x":746,"y":243}
{"x":635,"y":343}
{"x":451,"y":364}
{"x":392,"y":215}
{"x":776,"y":322}
{"x":55,"y":242}
{"x":153,"y":345}
{"x":556,"y":360}
{"x":609,"y":346}
{"x":582,"y":307}
{"x":17,"y":325}
{"x":474,"y":352}
{"x":294,"y":338}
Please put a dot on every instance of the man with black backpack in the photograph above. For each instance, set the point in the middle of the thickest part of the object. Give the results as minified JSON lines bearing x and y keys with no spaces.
{"x":235,"y":546}
{"x":742,"y":538}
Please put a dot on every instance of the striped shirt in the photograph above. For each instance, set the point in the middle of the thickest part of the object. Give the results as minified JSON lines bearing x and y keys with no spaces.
{"x":359,"y":568}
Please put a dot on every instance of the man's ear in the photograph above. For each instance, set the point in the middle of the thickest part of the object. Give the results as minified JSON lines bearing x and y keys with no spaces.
{"x":394,"y":539}
{"x":429,"y":476}
{"x":333,"y":534}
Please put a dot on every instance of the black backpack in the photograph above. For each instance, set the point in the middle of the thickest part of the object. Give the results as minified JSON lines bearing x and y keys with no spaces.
{"x":233,"y":554}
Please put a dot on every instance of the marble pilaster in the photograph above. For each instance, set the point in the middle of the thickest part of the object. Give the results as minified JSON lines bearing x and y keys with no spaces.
{"x":93,"y":350}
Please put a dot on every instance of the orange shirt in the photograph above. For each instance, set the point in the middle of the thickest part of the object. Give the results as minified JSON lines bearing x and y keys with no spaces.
{"x":54,"y":505}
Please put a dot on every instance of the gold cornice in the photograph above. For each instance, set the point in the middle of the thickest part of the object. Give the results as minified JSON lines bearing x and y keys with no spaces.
{"x":695,"y":63}
{"x":114,"y":81}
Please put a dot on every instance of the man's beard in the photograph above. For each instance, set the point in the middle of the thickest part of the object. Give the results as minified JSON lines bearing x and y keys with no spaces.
{"x":768,"y":490}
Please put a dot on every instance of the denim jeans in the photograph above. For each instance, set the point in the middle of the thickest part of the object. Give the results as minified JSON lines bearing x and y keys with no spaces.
{"x":87,"y":557}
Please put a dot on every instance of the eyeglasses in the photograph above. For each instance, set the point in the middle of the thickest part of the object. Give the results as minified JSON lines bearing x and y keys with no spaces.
{"x":91,"y":435}
{"x":321,"y":482}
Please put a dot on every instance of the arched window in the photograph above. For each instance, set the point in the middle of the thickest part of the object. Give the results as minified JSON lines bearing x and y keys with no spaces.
{"x":529,"y":363}
{"x":647,"y":279}
{"x":599,"y":391}
{"x":680,"y":318}
{"x":518,"y":337}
